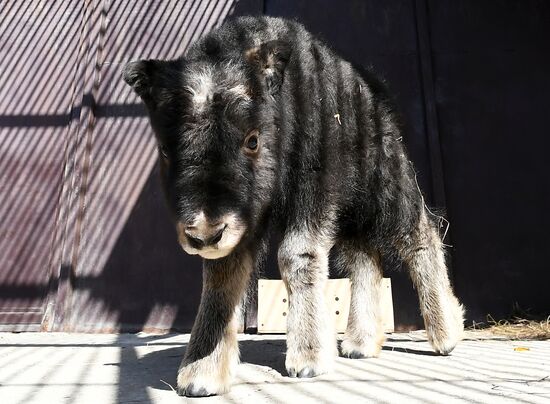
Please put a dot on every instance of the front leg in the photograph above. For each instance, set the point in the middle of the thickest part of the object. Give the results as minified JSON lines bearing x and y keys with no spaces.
{"x":213,"y":353}
{"x":311,"y":340}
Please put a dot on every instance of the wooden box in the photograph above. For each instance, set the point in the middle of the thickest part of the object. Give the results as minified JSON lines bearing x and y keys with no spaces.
{"x":273,"y":304}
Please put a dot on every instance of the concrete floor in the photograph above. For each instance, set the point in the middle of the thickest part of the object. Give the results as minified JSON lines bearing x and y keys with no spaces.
{"x":81,"y":368}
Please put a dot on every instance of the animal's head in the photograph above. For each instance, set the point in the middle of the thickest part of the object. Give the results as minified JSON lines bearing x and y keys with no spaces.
{"x":214,"y":121}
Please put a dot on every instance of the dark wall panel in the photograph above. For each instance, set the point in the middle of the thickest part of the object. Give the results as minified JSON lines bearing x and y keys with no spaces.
{"x":381,"y":36}
{"x":492,"y":79}
{"x":86,"y":242}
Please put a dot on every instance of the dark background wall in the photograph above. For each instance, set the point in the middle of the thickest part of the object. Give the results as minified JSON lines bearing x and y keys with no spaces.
{"x":85,"y":241}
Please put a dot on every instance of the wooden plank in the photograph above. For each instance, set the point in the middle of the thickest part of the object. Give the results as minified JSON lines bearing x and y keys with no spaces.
{"x":273,"y":304}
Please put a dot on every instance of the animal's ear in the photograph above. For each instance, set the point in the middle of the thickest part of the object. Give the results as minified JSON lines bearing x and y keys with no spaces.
{"x":153,"y":80}
{"x":270,"y":60}
{"x":140,"y":76}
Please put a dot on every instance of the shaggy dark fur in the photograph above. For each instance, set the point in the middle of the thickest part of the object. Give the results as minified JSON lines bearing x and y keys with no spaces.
{"x":261,"y":120}
{"x":330,"y":130}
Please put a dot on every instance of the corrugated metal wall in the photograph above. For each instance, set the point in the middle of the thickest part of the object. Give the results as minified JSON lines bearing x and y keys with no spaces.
{"x":39,"y":55}
{"x":86,"y":243}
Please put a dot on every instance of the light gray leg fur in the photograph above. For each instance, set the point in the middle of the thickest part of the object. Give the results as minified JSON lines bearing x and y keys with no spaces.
{"x":364,"y":334}
{"x":443,"y":314}
{"x":213,"y":353}
{"x":311,"y":339}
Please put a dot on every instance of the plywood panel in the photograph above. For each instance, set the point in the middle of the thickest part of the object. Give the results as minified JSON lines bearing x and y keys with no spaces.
{"x":273,"y":304}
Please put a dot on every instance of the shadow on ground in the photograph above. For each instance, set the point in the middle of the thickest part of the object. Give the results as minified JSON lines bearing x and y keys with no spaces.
{"x":158,"y":369}
{"x":83,"y":368}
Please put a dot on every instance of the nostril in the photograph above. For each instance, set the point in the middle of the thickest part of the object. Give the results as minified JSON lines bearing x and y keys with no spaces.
{"x":199,"y":237}
{"x":217,"y":237}
{"x":195,"y":242}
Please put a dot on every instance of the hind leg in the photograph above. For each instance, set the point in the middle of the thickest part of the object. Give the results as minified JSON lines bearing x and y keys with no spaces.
{"x":443,"y":314}
{"x":364,"y":334}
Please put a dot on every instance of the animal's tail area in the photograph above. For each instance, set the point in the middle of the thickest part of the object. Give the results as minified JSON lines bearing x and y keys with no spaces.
{"x":438,"y":216}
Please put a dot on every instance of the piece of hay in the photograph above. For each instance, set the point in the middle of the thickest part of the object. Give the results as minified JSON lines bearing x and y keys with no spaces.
{"x":517,"y":328}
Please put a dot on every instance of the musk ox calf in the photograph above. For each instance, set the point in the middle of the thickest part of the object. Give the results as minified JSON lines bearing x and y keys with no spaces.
{"x":260,"y":125}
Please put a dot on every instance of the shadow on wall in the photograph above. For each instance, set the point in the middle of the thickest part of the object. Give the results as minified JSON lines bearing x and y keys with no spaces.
{"x":89,"y":242}
{"x":145,"y":281}
{"x":106,"y":257}
{"x":35,"y":109}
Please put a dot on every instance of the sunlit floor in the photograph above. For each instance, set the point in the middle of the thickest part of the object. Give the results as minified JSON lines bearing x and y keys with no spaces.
{"x":82,"y":368}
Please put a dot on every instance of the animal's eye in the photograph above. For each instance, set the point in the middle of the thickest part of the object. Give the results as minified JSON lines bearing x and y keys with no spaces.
{"x":251,"y":142}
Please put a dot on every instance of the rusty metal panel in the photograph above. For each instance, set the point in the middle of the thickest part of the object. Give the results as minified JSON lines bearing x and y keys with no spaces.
{"x":39,"y":43}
